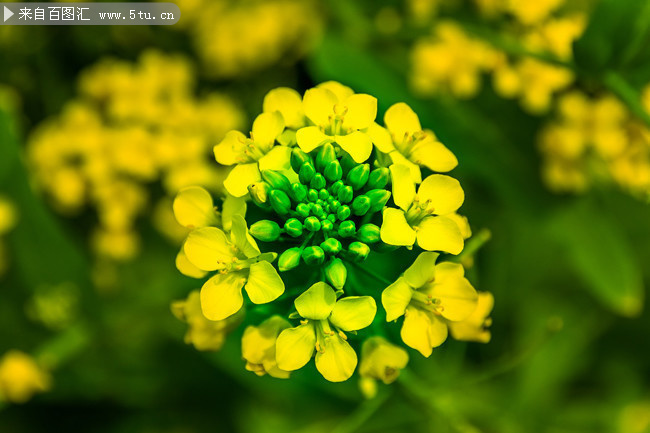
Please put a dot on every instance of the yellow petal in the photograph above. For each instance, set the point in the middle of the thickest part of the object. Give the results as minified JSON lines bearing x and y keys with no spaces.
{"x":475,"y":327}
{"x":318,"y":104}
{"x":380,"y":137}
{"x":443,"y":193}
{"x":422,"y":271}
{"x":382,"y":360}
{"x":317,"y":302}
{"x":434,"y":155}
{"x":361,"y":112}
{"x":462,"y":223}
{"x":403,"y":185}
{"x":311,"y":137}
{"x":395,"y":298}
{"x":339,"y":90}
{"x":357,"y":144}
{"x":242,"y":239}
{"x":353,"y":313}
{"x":193,"y":207}
{"x":399,"y":159}
{"x":422,"y":331}
{"x":278,"y":158}
{"x":295,"y":346}
{"x":401,"y":120}
{"x":232,"y":206}
{"x":240,"y":177}
{"x":264,"y":284}
{"x":230,"y":150}
{"x":336,"y":360}
{"x":266,"y":127}
{"x":208,"y":248}
{"x":289,"y":103}
{"x":186,"y":267}
{"x":439,"y":233}
{"x":221,"y":295}
{"x":456,"y":295}
{"x":395,"y":230}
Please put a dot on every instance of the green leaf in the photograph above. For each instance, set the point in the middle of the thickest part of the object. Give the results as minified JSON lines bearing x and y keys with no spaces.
{"x":601,"y":256}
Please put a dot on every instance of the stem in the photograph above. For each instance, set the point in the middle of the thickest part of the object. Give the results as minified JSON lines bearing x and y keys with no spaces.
{"x":627,"y":93}
{"x":362,"y":414}
{"x":370,"y":274}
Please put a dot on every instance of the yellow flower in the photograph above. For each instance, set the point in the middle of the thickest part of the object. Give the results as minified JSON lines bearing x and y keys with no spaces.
{"x":335,"y":358}
{"x":476,"y":326}
{"x":423,"y":216}
{"x":382,"y":360}
{"x":251,"y":155}
{"x":202,"y":333}
{"x":8,"y":216}
{"x":406,"y":143}
{"x":240,"y":265}
{"x":194,"y":208}
{"x":429,"y":295}
{"x":289,"y":103}
{"x":21,"y":377}
{"x":258,"y":347}
{"x":339,"y":116}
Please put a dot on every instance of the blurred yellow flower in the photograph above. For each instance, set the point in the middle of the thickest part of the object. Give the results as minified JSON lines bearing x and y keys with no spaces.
{"x":8,"y":219}
{"x":21,"y":377}
{"x":382,"y":360}
{"x":132,"y":124}
{"x":429,"y":296}
{"x":258,"y":347}
{"x":202,"y":333}
{"x":476,"y":326}
{"x":336,"y":360}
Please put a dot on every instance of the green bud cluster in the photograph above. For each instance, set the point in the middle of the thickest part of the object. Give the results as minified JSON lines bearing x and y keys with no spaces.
{"x":327,"y":211}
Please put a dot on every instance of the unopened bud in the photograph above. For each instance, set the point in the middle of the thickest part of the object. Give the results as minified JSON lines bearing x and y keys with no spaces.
{"x":379,"y":198}
{"x":358,"y":176}
{"x":312,"y":224}
{"x":276,"y":179}
{"x":347,"y":229}
{"x":378,"y":178}
{"x":306,"y":172}
{"x":313,"y":255}
{"x":331,"y":246}
{"x":318,"y":182}
{"x":293,"y":227}
{"x":265,"y":231}
{"x":345,"y":194}
{"x":361,"y":205}
{"x":298,"y":158}
{"x":280,"y":201}
{"x":259,"y":192}
{"x":333,"y":171}
{"x":326,"y":154}
{"x":336,"y":273}
{"x":369,"y":233}
{"x":289,"y":259}
{"x":358,"y":251}
{"x":298,"y":191}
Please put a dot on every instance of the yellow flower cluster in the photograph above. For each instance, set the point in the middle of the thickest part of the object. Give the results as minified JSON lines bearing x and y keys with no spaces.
{"x":8,"y":217}
{"x":595,"y":139}
{"x":21,"y":377}
{"x":132,"y":125}
{"x":238,"y":37}
{"x":453,"y":61}
{"x":319,"y":167}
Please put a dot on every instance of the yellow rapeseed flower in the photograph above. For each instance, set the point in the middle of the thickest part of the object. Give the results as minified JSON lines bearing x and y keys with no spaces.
{"x":477,"y":326}
{"x":21,"y":377}
{"x":381,"y":360}
{"x":258,"y":347}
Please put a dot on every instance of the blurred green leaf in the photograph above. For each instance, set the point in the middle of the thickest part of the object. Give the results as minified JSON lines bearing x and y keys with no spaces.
{"x":601,"y":255}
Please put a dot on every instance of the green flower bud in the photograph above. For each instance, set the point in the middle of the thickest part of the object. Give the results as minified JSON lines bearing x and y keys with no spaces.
{"x":306,"y":172}
{"x":347,"y":229}
{"x":318,"y":181}
{"x":312,"y":195}
{"x":326,"y":225}
{"x":276,"y":179}
{"x":331,"y":246}
{"x":318,"y":211}
{"x":280,"y":201}
{"x":336,"y":186}
{"x":336,"y":273}
{"x":323,"y":194}
{"x":265,"y":231}
{"x":368,"y":233}
{"x":289,"y":259}
{"x":333,"y":171}
{"x":331,"y":218}
{"x":378,"y":178}
{"x":343,"y":212}
{"x":313,"y":255}
{"x":347,"y":163}
{"x":298,"y":158}
{"x":358,"y":251}
{"x":259,"y":192}
{"x":312,"y":224}
{"x":298,"y":192}
{"x":358,"y":176}
{"x":303,"y":209}
{"x":361,"y":205}
{"x":334,"y":205}
{"x":293,"y":227}
{"x":379,"y":198}
{"x":345,"y":194}
{"x":326,"y":154}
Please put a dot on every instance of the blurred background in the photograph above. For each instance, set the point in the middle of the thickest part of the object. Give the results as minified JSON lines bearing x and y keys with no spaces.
{"x":546,"y":105}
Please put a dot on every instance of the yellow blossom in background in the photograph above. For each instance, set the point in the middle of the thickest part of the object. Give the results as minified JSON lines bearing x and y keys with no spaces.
{"x":21,"y":377}
{"x":595,"y":139}
{"x":131,"y":126}
{"x":202,"y":333}
{"x":531,"y":12}
{"x":450,"y":61}
{"x":8,"y":219}
{"x":476,"y":326}
{"x":380,"y":360}
{"x":236,"y":38}
{"x":56,"y":306}
{"x":429,"y":296}
{"x":258,"y":347}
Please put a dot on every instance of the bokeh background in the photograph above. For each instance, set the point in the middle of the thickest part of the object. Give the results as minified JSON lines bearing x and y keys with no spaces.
{"x":544,"y":103}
